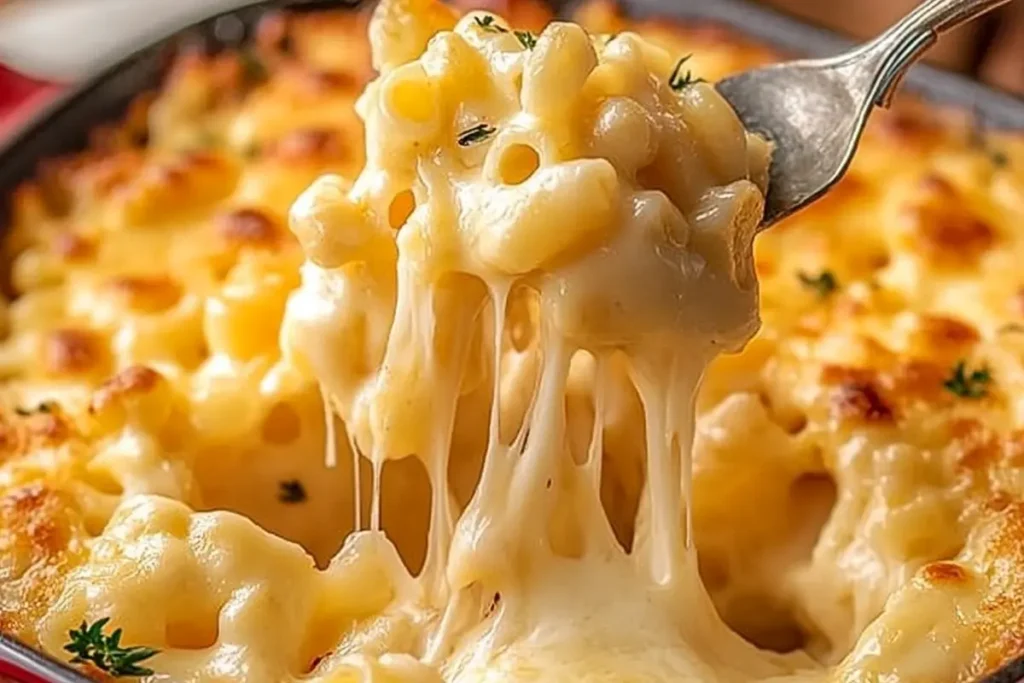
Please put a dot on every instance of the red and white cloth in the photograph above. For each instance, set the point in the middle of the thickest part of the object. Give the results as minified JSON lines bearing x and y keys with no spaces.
{"x":19,"y":97}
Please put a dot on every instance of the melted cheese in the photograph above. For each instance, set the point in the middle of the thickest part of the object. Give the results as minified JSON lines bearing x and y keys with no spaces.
{"x":630,"y":210}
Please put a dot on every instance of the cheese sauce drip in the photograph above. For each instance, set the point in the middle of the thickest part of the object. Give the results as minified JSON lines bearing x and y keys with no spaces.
{"x":528,"y":210}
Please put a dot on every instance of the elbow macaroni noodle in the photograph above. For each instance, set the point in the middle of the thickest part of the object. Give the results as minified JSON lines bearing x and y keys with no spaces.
{"x":440,"y":421}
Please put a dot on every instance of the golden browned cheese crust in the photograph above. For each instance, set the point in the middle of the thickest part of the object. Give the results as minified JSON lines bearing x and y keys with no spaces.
{"x":853,"y":490}
{"x":41,"y":538}
{"x":149,"y":276}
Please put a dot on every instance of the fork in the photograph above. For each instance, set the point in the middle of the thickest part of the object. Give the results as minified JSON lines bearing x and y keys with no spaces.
{"x":815,"y":110}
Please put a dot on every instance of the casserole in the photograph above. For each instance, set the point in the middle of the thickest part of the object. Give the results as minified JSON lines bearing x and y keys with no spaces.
{"x":997,"y":115}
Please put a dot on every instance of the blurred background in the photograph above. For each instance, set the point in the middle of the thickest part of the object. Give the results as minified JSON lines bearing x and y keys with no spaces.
{"x":47,"y":42}
{"x":991,"y":48}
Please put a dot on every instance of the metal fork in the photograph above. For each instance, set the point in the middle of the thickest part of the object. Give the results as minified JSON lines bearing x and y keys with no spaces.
{"x":815,"y":110}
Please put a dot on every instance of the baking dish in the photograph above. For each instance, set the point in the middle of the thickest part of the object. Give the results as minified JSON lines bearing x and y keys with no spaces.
{"x":63,"y":128}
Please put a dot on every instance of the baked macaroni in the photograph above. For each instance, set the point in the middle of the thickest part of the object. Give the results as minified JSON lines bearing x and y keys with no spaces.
{"x":274,"y":418}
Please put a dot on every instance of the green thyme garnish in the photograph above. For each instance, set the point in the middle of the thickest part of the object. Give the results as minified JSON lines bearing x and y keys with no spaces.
{"x":477,"y":133}
{"x":679,"y":80}
{"x":44,"y":407}
{"x":824,"y":283}
{"x":969,"y":385}
{"x":291,"y":491}
{"x":526,"y":39}
{"x":89,"y":645}
{"x":486,"y":23}
{"x":254,"y":71}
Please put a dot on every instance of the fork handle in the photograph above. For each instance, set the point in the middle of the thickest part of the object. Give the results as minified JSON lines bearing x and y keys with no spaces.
{"x":942,"y":15}
{"x":906,"y":40}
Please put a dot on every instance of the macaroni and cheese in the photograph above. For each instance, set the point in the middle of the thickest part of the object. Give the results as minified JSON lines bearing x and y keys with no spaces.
{"x":462,"y":415}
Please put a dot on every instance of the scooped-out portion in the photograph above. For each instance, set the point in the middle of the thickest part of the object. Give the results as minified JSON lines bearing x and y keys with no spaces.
{"x":536,"y":207}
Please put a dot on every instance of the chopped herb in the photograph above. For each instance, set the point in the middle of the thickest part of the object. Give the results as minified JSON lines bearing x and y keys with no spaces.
{"x":89,"y":645}
{"x":526,"y":39}
{"x":610,"y":37}
{"x":291,"y":491}
{"x":254,"y":71}
{"x":477,"y":133}
{"x":969,"y":385}
{"x":678,"y":80}
{"x":824,"y":283}
{"x":44,"y":407}
{"x":486,"y":23}
{"x":999,"y":158}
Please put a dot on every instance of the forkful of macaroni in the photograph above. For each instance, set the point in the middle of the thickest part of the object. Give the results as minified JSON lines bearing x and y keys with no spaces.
{"x":815,"y":110}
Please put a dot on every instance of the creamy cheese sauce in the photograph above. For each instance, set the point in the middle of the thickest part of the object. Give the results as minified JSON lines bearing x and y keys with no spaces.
{"x":629,"y":209}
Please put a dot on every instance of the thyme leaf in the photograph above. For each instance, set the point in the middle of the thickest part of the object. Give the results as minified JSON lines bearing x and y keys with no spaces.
{"x":679,"y":80}
{"x":291,"y":491}
{"x":973,"y":384}
{"x":824,"y":283}
{"x":90,"y":645}
{"x":475,"y":134}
